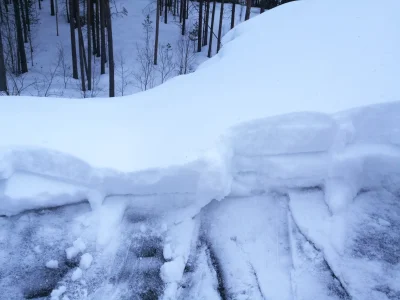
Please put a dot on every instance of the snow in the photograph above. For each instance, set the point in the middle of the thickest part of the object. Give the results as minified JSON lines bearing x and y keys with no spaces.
{"x":172,"y":271}
{"x":52,"y":264}
{"x":79,"y":244}
{"x":348,"y":60}
{"x":77,"y":274}
{"x":86,"y":261}
{"x":55,"y":294}
{"x":71,"y":252}
{"x":278,"y":168}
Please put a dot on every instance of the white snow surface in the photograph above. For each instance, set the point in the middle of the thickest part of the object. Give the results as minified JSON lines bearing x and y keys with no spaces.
{"x":86,"y":261}
{"x":52,"y":264}
{"x":273,"y":113}
{"x":77,"y":274}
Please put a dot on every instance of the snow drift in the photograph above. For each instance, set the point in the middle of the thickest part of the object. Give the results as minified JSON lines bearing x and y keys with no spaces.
{"x":296,"y":114}
{"x":304,"y":56}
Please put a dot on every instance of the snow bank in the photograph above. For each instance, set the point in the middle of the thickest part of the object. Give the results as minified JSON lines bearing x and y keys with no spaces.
{"x":315,"y":56}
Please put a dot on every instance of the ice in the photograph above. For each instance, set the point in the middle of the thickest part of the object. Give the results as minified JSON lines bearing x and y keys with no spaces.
{"x":77,"y":274}
{"x":52,"y":264}
{"x":86,"y":261}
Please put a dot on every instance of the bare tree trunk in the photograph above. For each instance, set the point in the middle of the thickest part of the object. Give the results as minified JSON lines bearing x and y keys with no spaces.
{"x":57,"y":16}
{"x":200,"y":29}
{"x":80,"y":46}
{"x":233,"y":14}
{"x":221,"y":19}
{"x":248,"y":10}
{"x":184,"y":16}
{"x":103,"y":37}
{"x":24,"y":22}
{"x":92,"y":24}
{"x":98,"y":28}
{"x":21,"y":47}
{"x":205,"y":38}
{"x":166,"y":12}
{"x":110,"y":52}
{"x":51,"y":7}
{"x":180,"y":10}
{"x":3,"y":76}
{"x":157,"y":33}
{"x":89,"y":42}
{"x":1,"y":13}
{"x":73,"y":41}
{"x":28,"y":21}
{"x":212,"y":28}
{"x":262,"y":6}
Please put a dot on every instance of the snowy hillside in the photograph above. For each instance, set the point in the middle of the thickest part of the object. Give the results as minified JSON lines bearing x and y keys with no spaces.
{"x":270,"y":174}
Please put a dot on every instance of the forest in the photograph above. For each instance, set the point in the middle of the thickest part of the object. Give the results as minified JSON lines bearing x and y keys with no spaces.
{"x":81,"y":39}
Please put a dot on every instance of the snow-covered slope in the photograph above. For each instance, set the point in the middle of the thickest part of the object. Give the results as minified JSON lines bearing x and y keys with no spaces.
{"x":305,"y":56}
{"x":304,"y":194}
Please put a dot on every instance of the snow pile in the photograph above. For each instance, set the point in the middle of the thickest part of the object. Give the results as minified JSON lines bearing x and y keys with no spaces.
{"x":162,"y":151}
{"x":56,"y":155}
{"x":263,"y":131}
{"x":322,"y":56}
{"x":73,"y":251}
{"x":337,"y":152}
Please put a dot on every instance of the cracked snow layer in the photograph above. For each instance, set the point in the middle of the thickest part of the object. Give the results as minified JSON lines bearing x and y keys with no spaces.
{"x":310,"y":269}
{"x":249,"y":238}
{"x":202,"y":278}
{"x":359,"y":245}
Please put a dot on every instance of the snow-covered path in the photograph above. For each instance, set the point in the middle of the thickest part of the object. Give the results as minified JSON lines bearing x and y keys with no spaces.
{"x":269,"y":246}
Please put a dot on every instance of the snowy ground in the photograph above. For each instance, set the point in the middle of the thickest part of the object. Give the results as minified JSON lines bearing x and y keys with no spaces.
{"x":215,"y":185}
{"x":128,"y":38}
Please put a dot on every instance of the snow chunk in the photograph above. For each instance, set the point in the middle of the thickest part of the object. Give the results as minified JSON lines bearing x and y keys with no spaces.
{"x":172,"y":271}
{"x":167,"y":251}
{"x":86,"y":261}
{"x":287,"y":134}
{"x":79,"y":244}
{"x":56,"y":293}
{"x":52,"y":264}
{"x":23,"y":191}
{"x":71,"y":252}
{"x":77,"y":274}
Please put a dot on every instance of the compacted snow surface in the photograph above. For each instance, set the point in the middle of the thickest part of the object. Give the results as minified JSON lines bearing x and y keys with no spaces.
{"x":269,"y":175}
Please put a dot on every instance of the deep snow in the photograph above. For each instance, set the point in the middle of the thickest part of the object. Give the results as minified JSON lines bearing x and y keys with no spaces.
{"x":310,"y":199}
